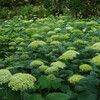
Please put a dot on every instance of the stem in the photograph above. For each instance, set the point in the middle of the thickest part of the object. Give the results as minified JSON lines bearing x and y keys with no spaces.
{"x":22,"y":95}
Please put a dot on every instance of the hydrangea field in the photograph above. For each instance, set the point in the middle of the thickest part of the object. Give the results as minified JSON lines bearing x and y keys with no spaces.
{"x":52,"y":58}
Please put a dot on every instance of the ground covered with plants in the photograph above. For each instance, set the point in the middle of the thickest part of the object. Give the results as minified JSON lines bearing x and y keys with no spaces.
{"x":53,"y":58}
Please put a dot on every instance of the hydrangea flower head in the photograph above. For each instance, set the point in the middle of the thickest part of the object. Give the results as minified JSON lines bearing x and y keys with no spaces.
{"x":70,"y":54}
{"x":22,"y":43}
{"x":58,"y":64}
{"x":51,"y":32}
{"x":36,"y":62}
{"x":24,"y":56}
{"x":96,"y":60}
{"x":4,"y":76}
{"x":57,"y":29}
{"x":92,"y":23}
{"x":55,"y":42}
{"x":64,"y":36}
{"x":44,"y":67}
{"x":20,"y":49}
{"x":75,"y":79}
{"x":85,"y":67}
{"x":36,"y":36}
{"x":80,"y":42}
{"x":21,"y":81}
{"x":96,"y":46}
{"x":12,"y":43}
{"x":51,"y":69}
{"x":36,"y":44}
{"x":19,"y":39}
{"x":71,"y":48}
{"x":11,"y":48}
{"x":51,"y":77}
{"x":69,"y":28}
{"x":55,"y":37}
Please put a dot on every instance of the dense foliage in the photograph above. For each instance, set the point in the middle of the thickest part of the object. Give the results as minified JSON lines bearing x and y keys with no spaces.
{"x":55,"y":58}
{"x":77,"y":8}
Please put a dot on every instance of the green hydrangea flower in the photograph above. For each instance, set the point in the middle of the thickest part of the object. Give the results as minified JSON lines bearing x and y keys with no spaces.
{"x":57,"y":29}
{"x":60,"y":22}
{"x":85,"y":67}
{"x":51,"y":77}
{"x":36,"y":44}
{"x":58,"y":64}
{"x":75,"y":79}
{"x":19,"y":39}
{"x":96,"y":46}
{"x":80,"y":42}
{"x":36,"y":62}
{"x":71,"y":48}
{"x":44,"y":67}
{"x":11,"y":48}
{"x":36,"y":36}
{"x":51,"y":32}
{"x":12,"y":43}
{"x":55,"y":37}
{"x":64,"y":36}
{"x":4,"y":76}
{"x":51,"y":69}
{"x":77,"y":31}
{"x":46,"y":28}
{"x":55,"y":42}
{"x":20,"y":49}
{"x":21,"y":81}
{"x":88,"y":47}
{"x":24,"y":56}
{"x":92,"y":23}
{"x":22,"y":43}
{"x":96,"y":60}
{"x":70,"y":54}
{"x":80,"y":22}
{"x":69,"y":28}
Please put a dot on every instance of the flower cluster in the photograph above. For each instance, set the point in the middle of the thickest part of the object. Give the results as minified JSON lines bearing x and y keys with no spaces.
{"x":19,"y":39}
{"x":51,"y":69}
{"x":96,"y":60}
{"x":4,"y":76}
{"x":71,"y":48}
{"x":51,"y":32}
{"x":80,"y":42}
{"x":22,"y":43}
{"x":12,"y":43}
{"x":36,"y":36}
{"x":85,"y":67}
{"x":36,"y":62}
{"x":75,"y":78}
{"x":24,"y":56}
{"x":51,"y":77}
{"x":58,"y":64}
{"x":36,"y":44}
{"x":44,"y":67}
{"x":92,"y":23}
{"x":21,"y":81}
{"x":96,"y":46}
{"x":57,"y":29}
{"x":70,"y":54}
{"x":55,"y":42}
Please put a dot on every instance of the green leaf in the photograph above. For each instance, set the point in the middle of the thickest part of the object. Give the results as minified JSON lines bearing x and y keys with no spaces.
{"x":56,"y":83}
{"x":87,"y":96}
{"x":57,"y":96}
{"x":64,"y":88}
{"x":36,"y":97}
{"x":44,"y":83}
{"x":12,"y":95}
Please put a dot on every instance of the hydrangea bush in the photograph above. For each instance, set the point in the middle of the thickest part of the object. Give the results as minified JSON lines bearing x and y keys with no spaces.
{"x":52,"y":58}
